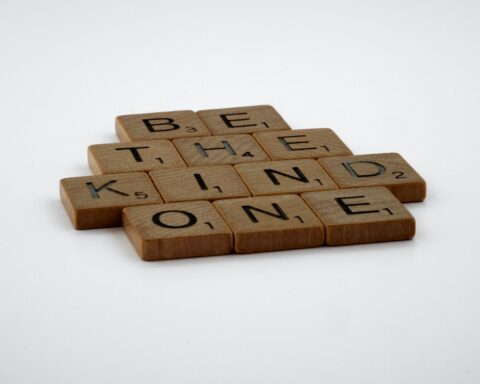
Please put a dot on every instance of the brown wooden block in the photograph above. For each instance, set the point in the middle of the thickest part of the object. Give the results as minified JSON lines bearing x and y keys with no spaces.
{"x":216,"y":150}
{"x":271,"y":223}
{"x":177,"y":230}
{"x":159,"y":125}
{"x":232,"y":121}
{"x":383,"y":169}
{"x":199,"y":183}
{"x":361,"y":215}
{"x":302,"y":144}
{"x":133,"y":156}
{"x":97,"y":201}
{"x":285,"y":176}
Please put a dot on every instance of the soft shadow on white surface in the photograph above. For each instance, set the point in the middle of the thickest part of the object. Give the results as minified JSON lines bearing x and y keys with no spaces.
{"x":81,"y":307}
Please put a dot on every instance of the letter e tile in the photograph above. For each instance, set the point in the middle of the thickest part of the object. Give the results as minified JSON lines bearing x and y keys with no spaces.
{"x":361,"y":215}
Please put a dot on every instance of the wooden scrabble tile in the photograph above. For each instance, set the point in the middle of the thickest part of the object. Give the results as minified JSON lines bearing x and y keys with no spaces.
{"x":361,"y":215}
{"x":159,"y":125}
{"x":199,"y":183}
{"x":177,"y":230}
{"x":216,"y":150}
{"x":229,"y":121}
{"x":133,"y":156}
{"x":302,"y":144}
{"x":285,"y":176}
{"x":383,"y":169}
{"x":271,"y":223}
{"x":97,"y":201}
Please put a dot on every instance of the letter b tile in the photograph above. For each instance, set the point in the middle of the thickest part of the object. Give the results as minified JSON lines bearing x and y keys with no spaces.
{"x":159,"y":125}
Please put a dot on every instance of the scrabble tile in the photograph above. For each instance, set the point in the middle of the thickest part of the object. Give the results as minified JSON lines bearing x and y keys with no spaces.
{"x":217,"y":150}
{"x":159,"y":125}
{"x":302,"y":144}
{"x":177,"y":230}
{"x":229,"y":121}
{"x":384,"y":169}
{"x":285,"y":176}
{"x":133,"y":156}
{"x":199,"y":183}
{"x":271,"y":223}
{"x":361,"y":215}
{"x":97,"y":201}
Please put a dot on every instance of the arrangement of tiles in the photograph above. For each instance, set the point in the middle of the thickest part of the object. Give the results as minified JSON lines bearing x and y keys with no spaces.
{"x":188,"y":184}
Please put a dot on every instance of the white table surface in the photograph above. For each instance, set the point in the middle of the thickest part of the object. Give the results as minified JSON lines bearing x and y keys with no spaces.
{"x":80,"y":306}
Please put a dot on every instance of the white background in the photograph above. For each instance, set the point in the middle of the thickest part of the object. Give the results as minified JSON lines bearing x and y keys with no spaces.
{"x":80,"y":306}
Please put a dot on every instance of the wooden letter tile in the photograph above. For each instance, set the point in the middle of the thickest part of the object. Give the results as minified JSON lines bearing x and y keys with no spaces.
{"x":216,"y":150}
{"x":302,"y":144}
{"x":228,"y":121}
{"x":361,"y":215}
{"x":159,"y":125}
{"x":177,"y":230}
{"x":133,"y":156}
{"x":199,"y":183}
{"x":97,"y":201}
{"x":384,"y":169}
{"x":285,"y":176}
{"x":271,"y":223}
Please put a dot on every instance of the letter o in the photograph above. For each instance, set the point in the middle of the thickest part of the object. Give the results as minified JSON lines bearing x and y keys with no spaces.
{"x":191,"y":219}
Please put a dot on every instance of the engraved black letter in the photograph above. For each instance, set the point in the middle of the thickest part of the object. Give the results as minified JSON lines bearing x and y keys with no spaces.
{"x":280,"y":213}
{"x":167,"y":121}
{"x":94,"y":191}
{"x":228,"y":122}
{"x":346,"y":207}
{"x":134,"y":152}
{"x":288,"y":144}
{"x":300,"y":176}
{"x":191,"y":219}
{"x":226,"y":146}
{"x":348,"y":166}
{"x":200,"y":181}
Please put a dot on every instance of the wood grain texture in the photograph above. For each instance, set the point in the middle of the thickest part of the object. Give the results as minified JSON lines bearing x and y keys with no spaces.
{"x":177,"y":230}
{"x":361,"y":215}
{"x":199,"y":183}
{"x":271,"y":223}
{"x":302,"y":144}
{"x":97,"y":201}
{"x":159,"y":125}
{"x":133,"y":157}
{"x":383,"y":169}
{"x":217,"y":150}
{"x":233,"y":121}
{"x":285,"y":176}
